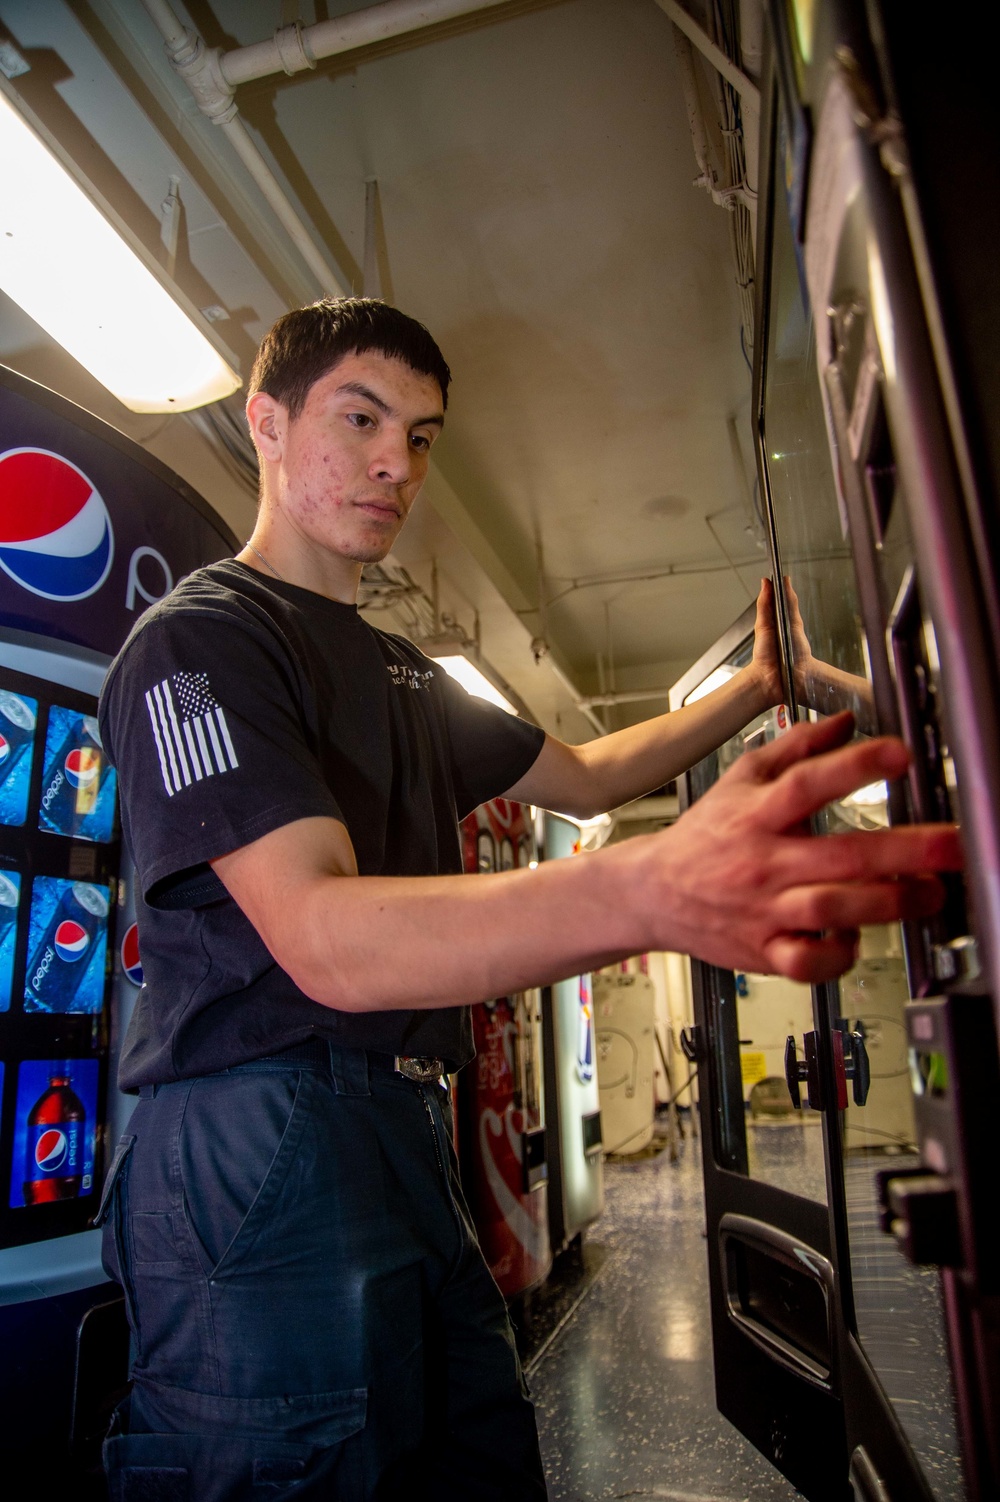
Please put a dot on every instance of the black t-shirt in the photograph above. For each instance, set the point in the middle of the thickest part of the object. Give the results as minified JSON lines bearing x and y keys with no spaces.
{"x":240,"y":704}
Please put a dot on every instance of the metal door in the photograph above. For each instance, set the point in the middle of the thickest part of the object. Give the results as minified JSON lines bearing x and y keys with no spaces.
{"x":852,"y":1365}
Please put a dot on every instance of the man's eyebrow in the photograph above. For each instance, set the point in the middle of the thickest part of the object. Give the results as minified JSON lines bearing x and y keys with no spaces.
{"x":358,"y":388}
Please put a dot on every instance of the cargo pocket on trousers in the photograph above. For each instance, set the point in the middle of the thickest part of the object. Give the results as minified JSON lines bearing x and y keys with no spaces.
{"x":111,"y":1213}
{"x":271,"y":1448}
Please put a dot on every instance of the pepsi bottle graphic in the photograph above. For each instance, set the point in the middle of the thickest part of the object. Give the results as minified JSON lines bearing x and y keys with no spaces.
{"x":54,"y":1149}
{"x":62,"y":957}
{"x":73,"y":779}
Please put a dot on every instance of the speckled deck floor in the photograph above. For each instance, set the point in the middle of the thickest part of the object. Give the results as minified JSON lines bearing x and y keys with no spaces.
{"x":624,"y":1392}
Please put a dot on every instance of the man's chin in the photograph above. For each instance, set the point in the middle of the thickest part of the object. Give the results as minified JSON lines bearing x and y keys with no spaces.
{"x":373,"y":553}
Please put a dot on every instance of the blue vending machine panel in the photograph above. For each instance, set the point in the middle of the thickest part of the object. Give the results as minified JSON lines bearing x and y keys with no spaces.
{"x":59,"y":873}
{"x":92,"y":531}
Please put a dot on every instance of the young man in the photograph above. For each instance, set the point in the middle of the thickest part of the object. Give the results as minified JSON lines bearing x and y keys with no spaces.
{"x":310,"y":1311}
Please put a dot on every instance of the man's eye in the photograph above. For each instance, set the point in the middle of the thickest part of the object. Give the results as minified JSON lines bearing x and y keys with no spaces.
{"x":420,"y":442}
{"x":360,"y":419}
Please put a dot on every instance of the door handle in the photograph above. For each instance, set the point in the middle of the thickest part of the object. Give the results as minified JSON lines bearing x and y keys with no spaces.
{"x":857,"y":1067}
{"x":690,"y":1039}
{"x":850,"y":1062}
{"x":803,"y":1071}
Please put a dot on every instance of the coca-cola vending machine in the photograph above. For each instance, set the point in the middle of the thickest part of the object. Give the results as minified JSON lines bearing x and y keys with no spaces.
{"x":501,"y":1113}
{"x":92,"y":530}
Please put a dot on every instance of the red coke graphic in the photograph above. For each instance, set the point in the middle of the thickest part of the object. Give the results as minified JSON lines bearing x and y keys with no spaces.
{"x":501,"y":1104}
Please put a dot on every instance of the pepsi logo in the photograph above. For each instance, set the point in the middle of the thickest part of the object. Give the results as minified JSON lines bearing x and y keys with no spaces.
{"x":131,"y":963}
{"x":56,"y":538}
{"x":4,"y":749}
{"x":71,"y":941}
{"x":83,"y":767}
{"x":51,"y":1150}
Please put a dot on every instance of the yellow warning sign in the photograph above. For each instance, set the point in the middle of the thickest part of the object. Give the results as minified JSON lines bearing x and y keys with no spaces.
{"x":753,"y":1067}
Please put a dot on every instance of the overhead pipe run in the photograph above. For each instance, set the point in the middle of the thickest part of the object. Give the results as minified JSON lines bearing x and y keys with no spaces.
{"x":295,"y":48}
{"x":197,"y":65}
{"x":213,"y":76}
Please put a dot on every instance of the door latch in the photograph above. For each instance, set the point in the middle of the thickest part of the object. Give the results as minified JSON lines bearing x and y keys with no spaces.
{"x":850,"y":1062}
{"x":803,"y":1072}
{"x":850,"y":1059}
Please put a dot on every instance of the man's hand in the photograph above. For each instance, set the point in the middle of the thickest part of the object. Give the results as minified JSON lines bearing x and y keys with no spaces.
{"x":765,"y":666}
{"x":740,"y":882}
{"x":821,"y":686}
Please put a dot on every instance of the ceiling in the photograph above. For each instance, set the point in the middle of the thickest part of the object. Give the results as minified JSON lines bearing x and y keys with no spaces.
{"x":536,"y":209}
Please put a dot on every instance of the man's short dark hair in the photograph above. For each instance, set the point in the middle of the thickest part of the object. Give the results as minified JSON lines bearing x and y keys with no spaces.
{"x":306,"y":344}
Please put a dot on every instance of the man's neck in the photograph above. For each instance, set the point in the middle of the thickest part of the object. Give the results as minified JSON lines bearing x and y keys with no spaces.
{"x":292,"y":561}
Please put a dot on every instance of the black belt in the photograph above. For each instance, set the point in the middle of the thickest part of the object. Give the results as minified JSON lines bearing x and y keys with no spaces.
{"x":422,"y":1068}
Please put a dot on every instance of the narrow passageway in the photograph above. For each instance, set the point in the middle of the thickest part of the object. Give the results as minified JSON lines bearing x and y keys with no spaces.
{"x":624,"y":1390}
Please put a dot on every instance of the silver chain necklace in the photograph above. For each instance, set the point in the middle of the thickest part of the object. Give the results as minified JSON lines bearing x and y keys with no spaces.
{"x":257,"y":553}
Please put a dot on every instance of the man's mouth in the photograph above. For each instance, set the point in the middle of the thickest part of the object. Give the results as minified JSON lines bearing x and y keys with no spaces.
{"x":379,"y":508}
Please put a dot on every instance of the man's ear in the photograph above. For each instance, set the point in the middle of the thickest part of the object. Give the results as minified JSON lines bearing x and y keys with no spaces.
{"x":268,"y":423}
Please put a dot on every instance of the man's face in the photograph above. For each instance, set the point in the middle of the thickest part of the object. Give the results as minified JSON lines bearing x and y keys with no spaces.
{"x":353,"y":461}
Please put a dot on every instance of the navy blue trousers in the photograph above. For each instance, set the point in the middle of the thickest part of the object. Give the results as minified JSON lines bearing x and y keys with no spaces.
{"x":311,"y":1314}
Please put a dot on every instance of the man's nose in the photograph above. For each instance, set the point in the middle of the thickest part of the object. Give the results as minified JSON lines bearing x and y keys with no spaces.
{"x":392,"y":461}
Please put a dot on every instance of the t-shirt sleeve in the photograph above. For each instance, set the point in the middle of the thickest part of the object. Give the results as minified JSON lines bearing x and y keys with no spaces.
{"x":491,"y":749}
{"x":202,"y":718}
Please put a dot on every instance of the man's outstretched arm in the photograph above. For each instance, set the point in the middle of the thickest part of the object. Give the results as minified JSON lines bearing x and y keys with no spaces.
{"x":737,"y":881}
{"x":612,"y":770}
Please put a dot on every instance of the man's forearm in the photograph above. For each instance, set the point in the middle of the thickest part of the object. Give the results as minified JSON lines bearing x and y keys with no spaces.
{"x":614,"y":769}
{"x":387,"y":943}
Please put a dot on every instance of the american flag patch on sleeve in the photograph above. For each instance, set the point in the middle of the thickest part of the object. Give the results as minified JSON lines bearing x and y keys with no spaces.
{"x":190,"y":731}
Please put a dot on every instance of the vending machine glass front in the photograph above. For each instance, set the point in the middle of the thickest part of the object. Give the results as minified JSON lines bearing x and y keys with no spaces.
{"x":849,"y":580}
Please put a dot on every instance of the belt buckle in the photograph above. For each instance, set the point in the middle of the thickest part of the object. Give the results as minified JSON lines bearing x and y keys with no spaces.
{"x":423,"y":1070}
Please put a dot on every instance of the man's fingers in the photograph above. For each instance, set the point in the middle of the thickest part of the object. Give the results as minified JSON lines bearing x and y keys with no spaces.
{"x":807,"y":739}
{"x":908,"y":850}
{"x":807,"y":785}
{"x":849,"y":905}
{"x":812,"y":958}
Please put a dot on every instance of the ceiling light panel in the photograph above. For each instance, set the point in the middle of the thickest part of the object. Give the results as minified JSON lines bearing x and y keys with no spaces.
{"x":65,"y":264}
{"x":468,"y":675}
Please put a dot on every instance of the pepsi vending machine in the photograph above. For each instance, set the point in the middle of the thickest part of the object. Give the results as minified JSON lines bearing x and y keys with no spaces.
{"x":92,"y":531}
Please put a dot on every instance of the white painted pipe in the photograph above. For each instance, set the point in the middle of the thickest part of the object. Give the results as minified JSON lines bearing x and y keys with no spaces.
{"x":170,"y":26}
{"x":296,"y":48}
{"x":199,"y":68}
{"x":720,"y":62}
{"x":242,"y":142}
{"x":626,"y":696}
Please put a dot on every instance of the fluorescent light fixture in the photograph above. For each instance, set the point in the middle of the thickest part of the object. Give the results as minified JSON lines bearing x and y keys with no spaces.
{"x":468,"y":675}
{"x":712,"y":682}
{"x":66,"y":265}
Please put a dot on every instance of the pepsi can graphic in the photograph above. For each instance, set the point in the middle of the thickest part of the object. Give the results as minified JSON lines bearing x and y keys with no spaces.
{"x":10,"y":893}
{"x":78,"y":782}
{"x":18,"y":718}
{"x":585,"y":1032}
{"x":67,"y":944}
{"x":54,"y":1131}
